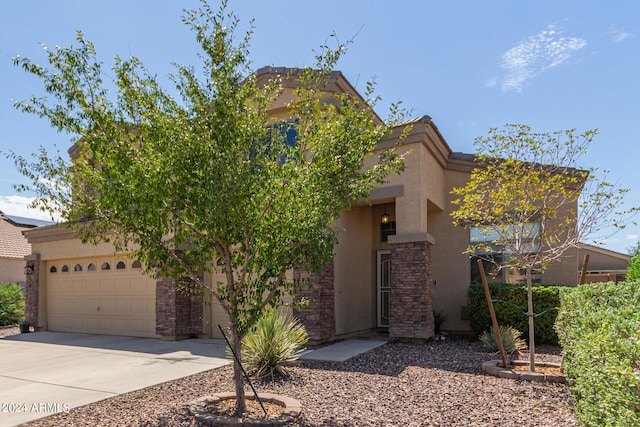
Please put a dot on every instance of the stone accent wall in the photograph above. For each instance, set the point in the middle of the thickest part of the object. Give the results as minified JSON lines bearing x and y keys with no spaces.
{"x":32,"y":290}
{"x":319,"y":317}
{"x":411,"y":316}
{"x":178,"y":314}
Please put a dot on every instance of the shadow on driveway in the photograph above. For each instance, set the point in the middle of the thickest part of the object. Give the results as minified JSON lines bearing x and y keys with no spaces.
{"x":43,"y":373}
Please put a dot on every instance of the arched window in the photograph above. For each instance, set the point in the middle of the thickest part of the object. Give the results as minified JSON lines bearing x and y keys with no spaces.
{"x":78,"y":267}
{"x":53,"y":269}
{"x":136,"y":264}
{"x":106,"y":266}
{"x":120,"y":265}
{"x":91,"y":267}
{"x":65,"y":268}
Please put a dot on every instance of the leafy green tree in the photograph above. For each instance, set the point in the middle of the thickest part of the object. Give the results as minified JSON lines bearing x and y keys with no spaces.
{"x":633,"y":269}
{"x":11,"y":304}
{"x":529,"y":200}
{"x":201,"y":177}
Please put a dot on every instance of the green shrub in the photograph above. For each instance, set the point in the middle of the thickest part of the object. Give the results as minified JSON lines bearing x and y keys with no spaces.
{"x":633,"y":270}
{"x":510,"y":339}
{"x":511,"y":309}
{"x":11,"y":304}
{"x":599,"y":329}
{"x":274,"y":344}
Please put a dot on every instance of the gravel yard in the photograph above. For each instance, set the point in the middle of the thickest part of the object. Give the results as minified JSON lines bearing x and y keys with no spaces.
{"x":434,"y":384}
{"x":9,"y":330}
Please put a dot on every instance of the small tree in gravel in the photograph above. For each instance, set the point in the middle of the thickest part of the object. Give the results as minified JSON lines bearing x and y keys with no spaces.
{"x":207,"y":180}
{"x":529,"y":201}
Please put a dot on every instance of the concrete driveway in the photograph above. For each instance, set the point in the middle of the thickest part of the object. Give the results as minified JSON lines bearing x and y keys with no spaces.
{"x":43,"y":373}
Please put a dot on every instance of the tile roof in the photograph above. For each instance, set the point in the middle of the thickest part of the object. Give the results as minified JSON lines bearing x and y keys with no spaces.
{"x":12,"y":243}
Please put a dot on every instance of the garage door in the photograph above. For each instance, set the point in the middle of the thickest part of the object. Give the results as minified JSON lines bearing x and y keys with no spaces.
{"x":100,"y":296}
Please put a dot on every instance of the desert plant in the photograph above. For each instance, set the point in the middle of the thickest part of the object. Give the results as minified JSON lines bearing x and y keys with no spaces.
{"x":438,"y":319}
{"x":11,"y":304}
{"x":273,"y":345}
{"x":510,"y":339}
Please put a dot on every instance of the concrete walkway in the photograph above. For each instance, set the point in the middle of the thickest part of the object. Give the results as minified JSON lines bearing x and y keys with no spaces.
{"x":343,"y":350}
{"x":43,"y":373}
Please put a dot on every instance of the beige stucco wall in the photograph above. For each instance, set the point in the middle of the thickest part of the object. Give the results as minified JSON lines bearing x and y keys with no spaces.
{"x":450,"y":265}
{"x":12,"y":270}
{"x":215,"y":315}
{"x":354,"y":264}
{"x":563,"y":271}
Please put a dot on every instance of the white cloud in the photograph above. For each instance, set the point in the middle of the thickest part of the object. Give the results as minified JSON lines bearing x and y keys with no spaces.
{"x":619,"y":35}
{"x":19,"y":206}
{"x":547,"y":49}
{"x":492,"y":82}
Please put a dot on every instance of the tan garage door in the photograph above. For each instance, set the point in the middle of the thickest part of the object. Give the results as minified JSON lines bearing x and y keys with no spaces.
{"x":100,"y":296}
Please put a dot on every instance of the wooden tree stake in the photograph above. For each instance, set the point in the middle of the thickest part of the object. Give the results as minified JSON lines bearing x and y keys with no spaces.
{"x":494,"y":321}
{"x":585,"y":265}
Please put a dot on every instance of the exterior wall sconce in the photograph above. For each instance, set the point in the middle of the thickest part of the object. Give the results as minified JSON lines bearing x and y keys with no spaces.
{"x":28,"y":270}
{"x":384,"y":219}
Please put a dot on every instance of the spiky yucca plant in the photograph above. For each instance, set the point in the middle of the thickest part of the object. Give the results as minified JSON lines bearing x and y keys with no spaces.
{"x":510,"y":339}
{"x":273,"y":345}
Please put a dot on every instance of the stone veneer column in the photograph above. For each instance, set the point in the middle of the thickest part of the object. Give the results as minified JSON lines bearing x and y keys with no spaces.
{"x":319,"y":317}
{"x":411,"y":315}
{"x":178,"y":314}
{"x":32,"y":290}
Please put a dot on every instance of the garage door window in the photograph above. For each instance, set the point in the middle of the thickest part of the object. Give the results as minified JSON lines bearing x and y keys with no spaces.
{"x":120,"y":265}
{"x":106,"y":266}
{"x":78,"y":267}
{"x":91,"y":267}
{"x":65,"y":268}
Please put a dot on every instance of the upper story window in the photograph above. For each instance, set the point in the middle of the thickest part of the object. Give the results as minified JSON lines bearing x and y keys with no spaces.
{"x":281,"y":137}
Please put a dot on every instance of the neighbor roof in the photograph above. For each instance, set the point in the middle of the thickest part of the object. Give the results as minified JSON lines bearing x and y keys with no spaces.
{"x":32,"y":222}
{"x":12,"y":243}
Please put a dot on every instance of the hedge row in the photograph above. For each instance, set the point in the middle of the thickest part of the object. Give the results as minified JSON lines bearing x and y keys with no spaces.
{"x":599,"y":330}
{"x":511,"y":309}
{"x":11,"y":304}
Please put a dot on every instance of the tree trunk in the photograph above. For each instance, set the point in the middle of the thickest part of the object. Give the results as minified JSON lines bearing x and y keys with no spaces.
{"x":532,"y":342}
{"x":236,"y":342}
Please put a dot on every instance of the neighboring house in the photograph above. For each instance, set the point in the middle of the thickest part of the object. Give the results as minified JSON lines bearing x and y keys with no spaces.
{"x":14,"y":246}
{"x":399,"y":259}
{"x":603,"y":265}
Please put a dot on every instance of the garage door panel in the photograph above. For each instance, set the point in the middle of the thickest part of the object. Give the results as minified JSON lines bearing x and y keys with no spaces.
{"x":114,"y":301}
{"x":78,"y":287}
{"x":80,"y":306}
{"x":123,"y":286}
{"x":123,"y":306}
{"x":105,"y":287}
{"x":106,"y":305}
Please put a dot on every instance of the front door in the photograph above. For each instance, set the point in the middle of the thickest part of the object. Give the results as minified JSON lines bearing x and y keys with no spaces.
{"x":384,"y":288}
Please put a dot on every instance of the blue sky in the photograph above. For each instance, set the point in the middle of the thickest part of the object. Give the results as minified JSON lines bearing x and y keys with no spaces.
{"x":470,"y":65}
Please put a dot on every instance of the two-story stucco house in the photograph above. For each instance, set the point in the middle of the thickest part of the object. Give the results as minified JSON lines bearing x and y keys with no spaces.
{"x":398,"y":259}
